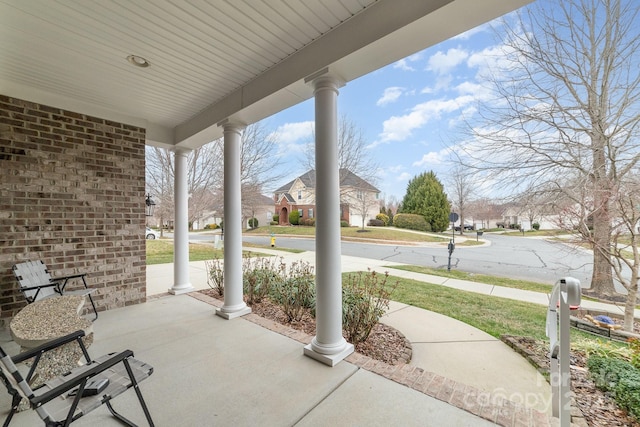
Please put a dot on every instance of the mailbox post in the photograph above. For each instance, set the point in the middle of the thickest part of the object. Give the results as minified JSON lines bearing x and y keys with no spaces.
{"x":453,"y":217}
{"x":564,"y":296}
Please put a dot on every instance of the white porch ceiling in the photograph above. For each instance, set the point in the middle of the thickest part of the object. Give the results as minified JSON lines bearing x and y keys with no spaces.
{"x":210,"y":60}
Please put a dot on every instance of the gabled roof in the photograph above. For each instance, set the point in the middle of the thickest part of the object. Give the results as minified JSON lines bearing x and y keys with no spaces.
{"x":347,"y":179}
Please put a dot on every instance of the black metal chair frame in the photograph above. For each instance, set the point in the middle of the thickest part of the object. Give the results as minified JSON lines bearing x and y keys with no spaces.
{"x":121,"y":368}
{"x":57,"y":283}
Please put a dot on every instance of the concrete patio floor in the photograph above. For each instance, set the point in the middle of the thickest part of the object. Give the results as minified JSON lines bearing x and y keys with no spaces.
{"x":210,"y":371}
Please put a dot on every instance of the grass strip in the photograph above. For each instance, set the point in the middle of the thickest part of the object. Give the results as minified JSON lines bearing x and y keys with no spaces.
{"x":477,"y":278}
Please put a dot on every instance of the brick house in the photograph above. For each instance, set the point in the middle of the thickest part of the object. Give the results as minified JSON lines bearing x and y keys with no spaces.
{"x":358,"y":199}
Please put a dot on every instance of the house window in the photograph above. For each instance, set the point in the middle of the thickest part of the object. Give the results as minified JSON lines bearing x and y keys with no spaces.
{"x":310,"y":213}
{"x":359,"y":194}
{"x":300,"y":195}
{"x":300,"y":213}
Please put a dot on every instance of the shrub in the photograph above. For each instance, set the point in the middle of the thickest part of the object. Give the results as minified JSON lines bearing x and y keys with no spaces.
{"x":384,"y":218}
{"x":309,"y":222}
{"x":276,"y":218}
{"x":535,"y":226}
{"x":620,"y":378}
{"x":376,"y":223}
{"x":253,"y":222}
{"x":215,"y":275}
{"x":365,"y":296}
{"x":344,"y":224}
{"x":273,"y":223}
{"x":294,"y":217}
{"x":295,"y":290}
{"x":259,"y":275}
{"x":411,"y":222}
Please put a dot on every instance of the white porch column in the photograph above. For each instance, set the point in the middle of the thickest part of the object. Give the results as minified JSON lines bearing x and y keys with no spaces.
{"x":328,"y":346}
{"x":234,"y":305}
{"x":181,"y":283}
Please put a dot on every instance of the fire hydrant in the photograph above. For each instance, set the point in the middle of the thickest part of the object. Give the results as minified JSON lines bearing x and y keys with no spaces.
{"x":273,"y":241}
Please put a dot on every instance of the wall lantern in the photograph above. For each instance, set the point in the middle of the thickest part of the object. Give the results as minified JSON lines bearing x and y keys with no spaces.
{"x":150,"y":205}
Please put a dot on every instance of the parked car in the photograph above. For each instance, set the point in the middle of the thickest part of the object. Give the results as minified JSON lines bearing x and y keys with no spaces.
{"x":467,"y":227}
{"x":152,"y":234}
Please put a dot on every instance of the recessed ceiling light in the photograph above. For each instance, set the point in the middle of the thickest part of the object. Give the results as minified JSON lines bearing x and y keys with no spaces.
{"x":138,"y":61}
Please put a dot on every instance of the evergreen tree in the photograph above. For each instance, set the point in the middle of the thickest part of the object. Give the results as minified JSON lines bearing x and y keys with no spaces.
{"x":425,"y":196}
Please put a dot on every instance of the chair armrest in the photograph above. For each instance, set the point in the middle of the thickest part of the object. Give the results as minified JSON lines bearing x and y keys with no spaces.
{"x":49,"y":345}
{"x":73,"y":276}
{"x":80,"y":378}
{"x":65,"y":279}
{"x":45,"y":285}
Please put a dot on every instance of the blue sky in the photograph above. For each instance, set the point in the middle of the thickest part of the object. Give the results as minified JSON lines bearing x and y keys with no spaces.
{"x":408,"y":111}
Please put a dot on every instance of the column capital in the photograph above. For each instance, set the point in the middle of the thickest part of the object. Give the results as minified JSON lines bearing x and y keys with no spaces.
{"x":181,"y":151}
{"x":232,"y":125}
{"x":325,"y":79}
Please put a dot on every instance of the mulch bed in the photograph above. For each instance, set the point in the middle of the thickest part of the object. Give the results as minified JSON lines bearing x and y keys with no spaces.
{"x":385,"y":343}
{"x":598,"y":408}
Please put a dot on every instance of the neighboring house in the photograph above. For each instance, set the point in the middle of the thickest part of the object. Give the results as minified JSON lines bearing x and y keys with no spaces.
{"x":259,"y":207}
{"x":359,"y":200}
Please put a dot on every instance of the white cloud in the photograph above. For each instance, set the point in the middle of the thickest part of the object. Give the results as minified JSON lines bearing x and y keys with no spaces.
{"x":399,"y":128}
{"x":433,"y":158}
{"x":391,"y":94}
{"x":404,"y":176}
{"x":404,"y":64}
{"x":290,"y":133}
{"x":491,"y":60}
{"x":442,"y":63}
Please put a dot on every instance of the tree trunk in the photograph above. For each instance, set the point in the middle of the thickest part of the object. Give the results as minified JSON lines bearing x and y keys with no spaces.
{"x":602,"y":278}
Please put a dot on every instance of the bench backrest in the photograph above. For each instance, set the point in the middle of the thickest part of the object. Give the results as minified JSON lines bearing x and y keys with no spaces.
{"x":34,"y":273}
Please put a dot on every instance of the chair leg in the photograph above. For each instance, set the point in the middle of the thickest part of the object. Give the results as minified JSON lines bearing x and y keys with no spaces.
{"x":90,"y":300}
{"x":120,"y":418}
{"x":135,"y":386}
{"x":15,"y":402}
{"x":94,"y":307}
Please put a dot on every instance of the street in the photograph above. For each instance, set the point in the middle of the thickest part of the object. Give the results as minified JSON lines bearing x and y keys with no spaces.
{"x":507,"y":256}
{"x":512,"y":256}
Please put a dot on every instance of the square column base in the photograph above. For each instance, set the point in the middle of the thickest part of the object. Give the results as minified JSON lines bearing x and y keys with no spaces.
{"x":181,"y":290}
{"x":234,"y":314}
{"x":329,"y":359}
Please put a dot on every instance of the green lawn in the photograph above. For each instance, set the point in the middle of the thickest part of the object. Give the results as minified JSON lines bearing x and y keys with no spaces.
{"x":494,"y":315}
{"x":161,"y":252}
{"x":373,"y":233}
{"x":478,"y":278}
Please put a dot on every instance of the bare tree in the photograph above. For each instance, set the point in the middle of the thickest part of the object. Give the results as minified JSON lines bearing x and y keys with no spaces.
{"x":567,"y":106}
{"x":353,"y":155}
{"x":461,"y":191}
{"x":364,"y":203}
{"x":204,"y":166}
{"x":624,"y":244}
{"x":260,"y":168}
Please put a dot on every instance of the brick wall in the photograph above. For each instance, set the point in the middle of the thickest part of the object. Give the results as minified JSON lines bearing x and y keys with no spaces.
{"x":71,"y":194}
